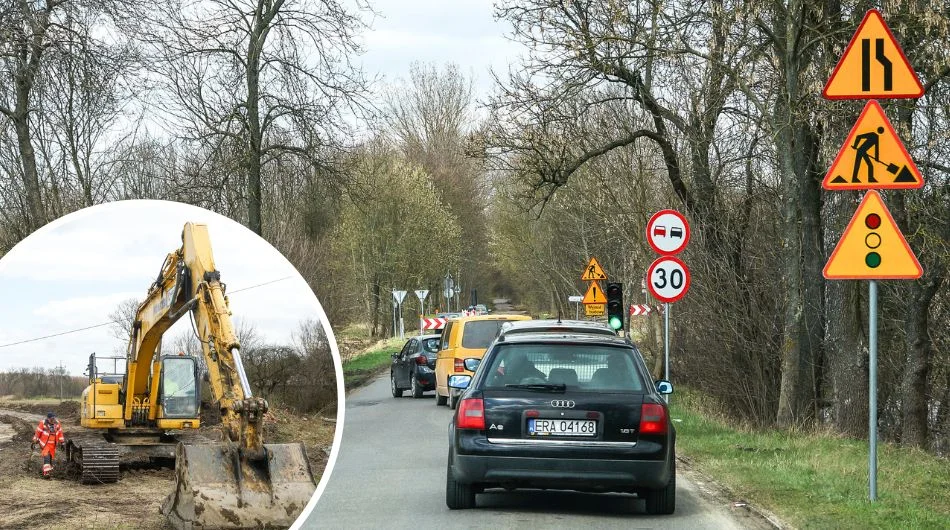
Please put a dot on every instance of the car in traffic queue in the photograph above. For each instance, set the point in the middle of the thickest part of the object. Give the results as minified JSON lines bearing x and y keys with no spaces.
{"x":464,"y":338}
{"x":561,"y":411}
{"x":556,"y":326}
{"x":413,"y":367}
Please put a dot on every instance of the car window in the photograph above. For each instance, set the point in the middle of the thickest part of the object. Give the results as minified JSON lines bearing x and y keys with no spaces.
{"x":407,"y":349}
{"x":480,"y":333}
{"x":446,"y":333}
{"x":430,"y":345}
{"x":580,"y":367}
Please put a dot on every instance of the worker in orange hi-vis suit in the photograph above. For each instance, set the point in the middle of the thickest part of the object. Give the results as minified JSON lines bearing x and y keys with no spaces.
{"x":49,"y":434}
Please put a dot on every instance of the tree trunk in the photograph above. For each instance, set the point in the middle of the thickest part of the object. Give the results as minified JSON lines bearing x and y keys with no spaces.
{"x":848,"y":358}
{"x":915,"y":395}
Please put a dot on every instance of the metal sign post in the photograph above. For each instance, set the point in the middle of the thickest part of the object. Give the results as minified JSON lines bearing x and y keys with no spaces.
{"x":872,"y":390}
{"x":398,"y":297}
{"x":576,"y":300}
{"x":666,"y":345}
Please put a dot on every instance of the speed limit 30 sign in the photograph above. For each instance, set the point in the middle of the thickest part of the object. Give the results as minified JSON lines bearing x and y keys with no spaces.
{"x":668,"y":279}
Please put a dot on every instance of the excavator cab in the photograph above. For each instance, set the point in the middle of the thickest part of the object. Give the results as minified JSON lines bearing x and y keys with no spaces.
{"x":179,"y":393}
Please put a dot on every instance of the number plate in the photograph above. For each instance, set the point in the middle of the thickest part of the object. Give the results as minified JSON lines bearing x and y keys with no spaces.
{"x":546,"y":427}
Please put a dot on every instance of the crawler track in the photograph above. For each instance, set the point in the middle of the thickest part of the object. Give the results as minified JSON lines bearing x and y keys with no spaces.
{"x":98,"y":460}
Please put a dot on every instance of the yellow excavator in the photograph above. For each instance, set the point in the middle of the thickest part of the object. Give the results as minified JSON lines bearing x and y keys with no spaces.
{"x":151,"y":411}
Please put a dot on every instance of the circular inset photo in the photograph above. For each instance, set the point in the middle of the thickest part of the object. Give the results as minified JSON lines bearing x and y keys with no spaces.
{"x":161,"y":366}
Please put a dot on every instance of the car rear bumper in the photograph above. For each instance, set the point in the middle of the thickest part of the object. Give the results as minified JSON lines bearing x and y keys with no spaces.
{"x":562,"y":473}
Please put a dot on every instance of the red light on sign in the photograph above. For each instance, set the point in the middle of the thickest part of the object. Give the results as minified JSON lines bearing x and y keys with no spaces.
{"x":872,"y":221}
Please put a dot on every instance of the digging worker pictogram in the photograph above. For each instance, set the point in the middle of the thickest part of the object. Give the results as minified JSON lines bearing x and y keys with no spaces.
{"x":49,"y":434}
{"x":863,"y":143}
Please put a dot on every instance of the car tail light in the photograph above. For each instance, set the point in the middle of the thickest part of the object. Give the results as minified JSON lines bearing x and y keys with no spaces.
{"x":422,"y":360}
{"x":471,"y":414}
{"x":652,"y":419}
{"x":459,"y":365}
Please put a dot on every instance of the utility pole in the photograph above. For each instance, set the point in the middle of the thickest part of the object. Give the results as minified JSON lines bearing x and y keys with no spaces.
{"x":61,"y":375}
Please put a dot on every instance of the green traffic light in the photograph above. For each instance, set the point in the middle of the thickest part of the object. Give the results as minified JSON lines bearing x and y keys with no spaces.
{"x":616,"y":323}
{"x":873,"y":260}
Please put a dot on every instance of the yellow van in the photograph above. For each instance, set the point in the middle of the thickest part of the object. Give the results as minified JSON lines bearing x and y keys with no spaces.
{"x":463,"y":338}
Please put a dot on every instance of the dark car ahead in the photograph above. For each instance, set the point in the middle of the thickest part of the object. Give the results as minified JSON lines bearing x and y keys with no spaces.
{"x":413,"y":367}
{"x":557,"y":411}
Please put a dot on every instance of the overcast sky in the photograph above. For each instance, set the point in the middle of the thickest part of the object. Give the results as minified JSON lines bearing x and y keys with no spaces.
{"x":438,"y":31}
{"x":73,"y":272}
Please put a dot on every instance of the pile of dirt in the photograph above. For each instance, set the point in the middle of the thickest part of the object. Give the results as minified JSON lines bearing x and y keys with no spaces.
{"x":66,"y":411}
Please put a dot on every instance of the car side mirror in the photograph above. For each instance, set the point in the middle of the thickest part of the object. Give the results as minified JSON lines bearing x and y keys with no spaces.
{"x":459,"y":382}
{"x":471,"y":364}
{"x":664,"y":387}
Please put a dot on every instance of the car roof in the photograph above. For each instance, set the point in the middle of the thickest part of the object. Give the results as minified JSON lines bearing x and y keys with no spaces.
{"x":425,"y":337}
{"x":492,"y":316}
{"x":555,"y":326}
{"x":561,"y":338}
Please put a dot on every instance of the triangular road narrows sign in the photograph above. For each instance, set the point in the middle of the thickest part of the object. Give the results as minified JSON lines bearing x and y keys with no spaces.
{"x":593,"y":271}
{"x":594,"y":295}
{"x":872,"y":247}
{"x":873,"y":66}
{"x":872,"y":157}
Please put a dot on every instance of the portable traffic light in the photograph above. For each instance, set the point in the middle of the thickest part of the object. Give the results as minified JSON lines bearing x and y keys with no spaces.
{"x":614,"y":292}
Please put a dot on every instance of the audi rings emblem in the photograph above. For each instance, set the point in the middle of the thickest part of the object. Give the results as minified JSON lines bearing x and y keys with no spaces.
{"x":562,"y":403}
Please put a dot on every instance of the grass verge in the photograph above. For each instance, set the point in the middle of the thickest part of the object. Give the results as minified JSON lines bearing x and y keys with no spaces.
{"x":814,"y":480}
{"x":360,"y":368}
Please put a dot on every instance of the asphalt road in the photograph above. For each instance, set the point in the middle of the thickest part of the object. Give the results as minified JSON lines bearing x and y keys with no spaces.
{"x":391,"y":474}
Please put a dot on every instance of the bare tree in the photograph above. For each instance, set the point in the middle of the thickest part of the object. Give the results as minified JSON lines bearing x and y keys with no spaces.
{"x":122,"y":317}
{"x":270,"y":79}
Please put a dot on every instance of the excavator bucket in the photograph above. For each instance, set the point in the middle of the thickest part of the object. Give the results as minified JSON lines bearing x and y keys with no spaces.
{"x":216,"y":488}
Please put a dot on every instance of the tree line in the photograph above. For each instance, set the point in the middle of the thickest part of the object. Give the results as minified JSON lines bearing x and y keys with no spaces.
{"x":255,"y":109}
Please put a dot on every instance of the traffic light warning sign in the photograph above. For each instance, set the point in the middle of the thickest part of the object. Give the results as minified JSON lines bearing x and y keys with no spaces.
{"x":873,"y":65}
{"x":872,"y":157}
{"x":872,"y":247}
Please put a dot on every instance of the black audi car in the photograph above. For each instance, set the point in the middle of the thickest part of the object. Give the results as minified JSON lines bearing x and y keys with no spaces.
{"x":562,"y":411}
{"x":413,"y":367}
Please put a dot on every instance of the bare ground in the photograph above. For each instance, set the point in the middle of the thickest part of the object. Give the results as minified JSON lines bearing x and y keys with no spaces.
{"x":29,"y":501}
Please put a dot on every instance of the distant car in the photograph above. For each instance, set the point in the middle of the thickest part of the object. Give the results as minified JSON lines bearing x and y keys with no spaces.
{"x":449,"y":315}
{"x":551,"y":411}
{"x":482,"y":309}
{"x":413,"y":367}
{"x":556,"y":326}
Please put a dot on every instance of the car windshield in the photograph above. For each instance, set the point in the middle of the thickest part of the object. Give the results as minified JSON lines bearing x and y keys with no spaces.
{"x":575,"y":366}
{"x":431,"y":345}
{"x":480,"y":333}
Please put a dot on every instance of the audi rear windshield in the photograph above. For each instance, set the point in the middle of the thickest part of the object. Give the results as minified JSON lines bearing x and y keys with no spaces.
{"x":577,"y":367}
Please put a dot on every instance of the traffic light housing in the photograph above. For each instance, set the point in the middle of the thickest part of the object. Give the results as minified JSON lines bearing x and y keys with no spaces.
{"x":872,"y":259}
{"x":615,"y":316}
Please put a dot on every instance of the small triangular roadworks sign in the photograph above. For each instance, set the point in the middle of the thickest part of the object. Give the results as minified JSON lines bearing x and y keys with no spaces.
{"x":594,"y":295}
{"x":593,"y":271}
{"x":872,"y":247}
{"x":873,"y":66}
{"x":872,"y":157}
